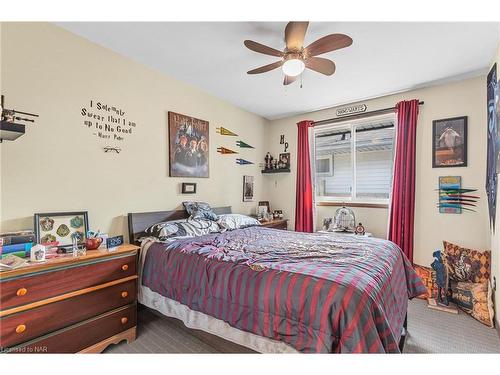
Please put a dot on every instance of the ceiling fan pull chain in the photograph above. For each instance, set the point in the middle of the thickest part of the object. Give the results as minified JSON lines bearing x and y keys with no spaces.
{"x":301,"y":74}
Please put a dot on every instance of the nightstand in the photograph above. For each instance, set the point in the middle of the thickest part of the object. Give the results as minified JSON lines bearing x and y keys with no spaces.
{"x":70,"y":305}
{"x":276,"y":224}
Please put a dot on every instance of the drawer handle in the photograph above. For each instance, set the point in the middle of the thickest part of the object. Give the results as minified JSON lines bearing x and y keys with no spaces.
{"x":22,"y":292}
{"x":20,"y":328}
{"x":124,"y":294}
{"x":124,"y":320}
{"x":125,"y":267}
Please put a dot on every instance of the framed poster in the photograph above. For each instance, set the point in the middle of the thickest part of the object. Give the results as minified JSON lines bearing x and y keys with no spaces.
{"x":188,"y":146}
{"x":59,"y":228}
{"x":449,"y":142}
{"x":493,"y":145}
{"x":248,"y":188}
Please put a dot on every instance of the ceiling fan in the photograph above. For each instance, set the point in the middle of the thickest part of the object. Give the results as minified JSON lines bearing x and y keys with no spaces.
{"x":295,"y":58}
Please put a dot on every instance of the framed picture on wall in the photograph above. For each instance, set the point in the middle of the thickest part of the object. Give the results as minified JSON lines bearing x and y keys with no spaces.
{"x":248,"y":188}
{"x":59,"y":228}
{"x":449,"y":142}
{"x":188,"y":146}
{"x":188,"y":188}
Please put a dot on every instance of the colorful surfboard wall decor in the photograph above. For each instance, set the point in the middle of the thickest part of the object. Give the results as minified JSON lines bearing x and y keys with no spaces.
{"x":243,"y":144}
{"x":224,"y":131}
{"x":225,"y":151}
{"x":243,"y":162}
{"x":452,"y":198}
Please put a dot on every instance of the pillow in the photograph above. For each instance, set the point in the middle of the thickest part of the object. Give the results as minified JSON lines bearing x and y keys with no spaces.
{"x":475,"y":299}
{"x":465,"y":264}
{"x":182,"y":228}
{"x":428,"y":277}
{"x":199,"y":210}
{"x":236,"y":221}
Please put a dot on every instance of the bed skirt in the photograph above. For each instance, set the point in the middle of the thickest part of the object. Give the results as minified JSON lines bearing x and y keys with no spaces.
{"x":198,"y":320}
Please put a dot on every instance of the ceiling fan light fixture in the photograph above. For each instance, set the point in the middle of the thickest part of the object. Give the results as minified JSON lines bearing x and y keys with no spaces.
{"x":293,"y":67}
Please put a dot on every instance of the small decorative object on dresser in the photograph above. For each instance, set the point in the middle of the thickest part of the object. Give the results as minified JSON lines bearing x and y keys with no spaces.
{"x":70,"y":305}
{"x":276,"y":224}
{"x":60,"y":228}
{"x":344,"y":220}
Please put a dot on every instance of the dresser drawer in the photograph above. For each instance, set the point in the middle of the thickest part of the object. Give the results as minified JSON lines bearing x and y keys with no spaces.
{"x":24,"y":326}
{"x":26,"y":289}
{"x":82,"y":335}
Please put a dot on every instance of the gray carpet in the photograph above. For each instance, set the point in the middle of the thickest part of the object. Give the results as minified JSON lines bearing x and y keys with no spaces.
{"x":429,"y":331}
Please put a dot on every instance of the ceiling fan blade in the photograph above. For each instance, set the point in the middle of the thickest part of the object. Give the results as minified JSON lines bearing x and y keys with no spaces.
{"x":260,"y":48}
{"x":266,"y":68}
{"x":328,"y":43}
{"x":321,"y":65}
{"x":294,"y":35}
{"x":289,"y":79}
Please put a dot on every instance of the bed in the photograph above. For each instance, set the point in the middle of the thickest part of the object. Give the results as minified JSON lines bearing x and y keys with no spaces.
{"x":278,"y":291}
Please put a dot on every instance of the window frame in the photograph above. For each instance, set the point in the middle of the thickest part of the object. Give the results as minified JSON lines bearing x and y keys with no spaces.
{"x":351,"y":126}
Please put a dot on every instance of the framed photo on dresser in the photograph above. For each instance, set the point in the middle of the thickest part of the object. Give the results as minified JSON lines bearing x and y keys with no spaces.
{"x":59,"y":228}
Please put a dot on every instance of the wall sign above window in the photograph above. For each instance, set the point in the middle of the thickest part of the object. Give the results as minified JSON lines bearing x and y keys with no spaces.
{"x":360,"y":108}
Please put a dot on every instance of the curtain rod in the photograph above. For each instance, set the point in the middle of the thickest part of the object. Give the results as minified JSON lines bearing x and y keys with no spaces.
{"x":358,"y":115}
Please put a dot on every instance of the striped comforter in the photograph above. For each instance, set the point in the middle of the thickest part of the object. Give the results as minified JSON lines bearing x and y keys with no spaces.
{"x":316,"y":292}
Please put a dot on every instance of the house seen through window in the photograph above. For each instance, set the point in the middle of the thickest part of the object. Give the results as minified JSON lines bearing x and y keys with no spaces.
{"x":354,"y":160}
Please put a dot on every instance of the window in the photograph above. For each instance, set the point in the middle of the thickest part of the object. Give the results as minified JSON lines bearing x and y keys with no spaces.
{"x":354,"y":160}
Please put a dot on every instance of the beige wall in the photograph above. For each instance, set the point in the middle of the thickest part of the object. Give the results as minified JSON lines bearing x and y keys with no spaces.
{"x":495,"y":236}
{"x":465,"y":98}
{"x":58,"y":165}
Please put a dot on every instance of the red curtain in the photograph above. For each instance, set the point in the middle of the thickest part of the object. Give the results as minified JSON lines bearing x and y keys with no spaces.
{"x":304,"y":200}
{"x":402,"y":212}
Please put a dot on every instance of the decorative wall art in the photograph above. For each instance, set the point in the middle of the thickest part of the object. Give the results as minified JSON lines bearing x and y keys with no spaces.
{"x":188,"y":146}
{"x":59,"y":228}
{"x":224,"y":131}
{"x":283,"y":142}
{"x":243,"y":144}
{"x":452,"y":198}
{"x":225,"y":151}
{"x":248,"y":188}
{"x":188,"y":188}
{"x":449,"y":147}
{"x":243,"y":162}
{"x":493,"y":147}
{"x":107,"y":122}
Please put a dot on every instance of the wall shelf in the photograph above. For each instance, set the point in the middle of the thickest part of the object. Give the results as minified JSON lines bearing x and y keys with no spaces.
{"x":280,"y":170}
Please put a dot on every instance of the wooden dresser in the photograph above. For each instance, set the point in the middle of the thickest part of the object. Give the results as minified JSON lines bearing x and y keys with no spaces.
{"x":276,"y":224}
{"x":70,"y":305}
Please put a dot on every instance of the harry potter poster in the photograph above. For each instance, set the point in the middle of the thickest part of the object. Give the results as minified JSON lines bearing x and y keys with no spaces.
{"x":188,"y":146}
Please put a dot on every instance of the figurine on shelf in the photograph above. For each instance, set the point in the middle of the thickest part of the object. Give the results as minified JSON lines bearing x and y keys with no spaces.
{"x":268,"y":159}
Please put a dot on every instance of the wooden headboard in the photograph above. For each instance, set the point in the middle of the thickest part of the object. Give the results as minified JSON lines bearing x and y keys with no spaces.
{"x":138,"y":222}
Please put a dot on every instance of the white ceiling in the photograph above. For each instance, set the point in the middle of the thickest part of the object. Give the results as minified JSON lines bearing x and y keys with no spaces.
{"x":384,"y":58}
